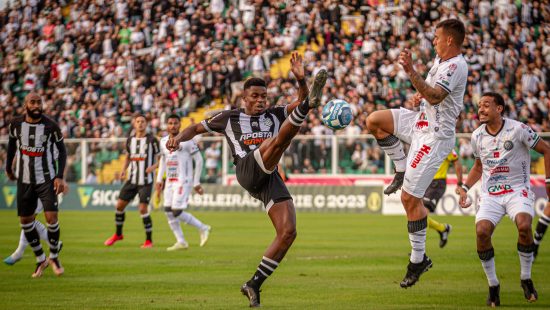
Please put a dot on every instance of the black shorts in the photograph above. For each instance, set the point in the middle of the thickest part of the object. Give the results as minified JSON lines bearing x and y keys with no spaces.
{"x":263,"y":185}
{"x":28,"y":195}
{"x":129,"y":191}
{"x":434,"y":192}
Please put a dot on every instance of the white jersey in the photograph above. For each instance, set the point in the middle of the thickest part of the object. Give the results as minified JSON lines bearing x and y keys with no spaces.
{"x":505,"y":157}
{"x":178,"y":165}
{"x":440,"y":119}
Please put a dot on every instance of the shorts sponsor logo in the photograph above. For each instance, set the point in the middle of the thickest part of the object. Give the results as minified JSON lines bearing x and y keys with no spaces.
{"x":499,"y":189}
{"x":32,"y":151}
{"x":255,"y":138}
{"x":508,"y":145}
{"x":499,"y":169}
{"x":424,"y":150}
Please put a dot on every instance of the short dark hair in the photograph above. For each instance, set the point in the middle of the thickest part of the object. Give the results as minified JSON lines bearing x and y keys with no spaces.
{"x":497,"y":98}
{"x":254,"y":81}
{"x":455,"y":28}
{"x":138,"y":115}
{"x":173,"y":116}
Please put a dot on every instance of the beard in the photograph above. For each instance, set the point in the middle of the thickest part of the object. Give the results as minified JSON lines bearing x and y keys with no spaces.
{"x":34,"y":114}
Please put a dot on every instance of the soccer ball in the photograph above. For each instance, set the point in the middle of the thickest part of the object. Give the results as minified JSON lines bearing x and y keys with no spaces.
{"x":337,"y":114}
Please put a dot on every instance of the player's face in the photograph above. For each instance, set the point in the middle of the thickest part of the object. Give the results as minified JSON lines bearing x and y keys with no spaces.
{"x":440,"y":42}
{"x":140,"y":124}
{"x":255,"y":100}
{"x":173,"y":126}
{"x":33,"y":105}
{"x":488,"y":110}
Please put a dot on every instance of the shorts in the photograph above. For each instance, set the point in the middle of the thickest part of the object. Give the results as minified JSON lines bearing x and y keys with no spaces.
{"x":434,"y":192}
{"x":28,"y":196}
{"x":176,"y":195}
{"x":262,"y":184}
{"x":426,"y":153}
{"x":129,"y":191}
{"x":493,"y":208}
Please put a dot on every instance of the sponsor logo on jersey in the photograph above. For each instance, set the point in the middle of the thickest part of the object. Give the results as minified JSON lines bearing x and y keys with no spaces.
{"x":452,"y":69}
{"x":508,"y":145}
{"x":32,"y":151}
{"x":255,"y":138}
{"x":138,"y":157}
{"x":499,"y":169}
{"x":422,"y":121}
{"x":424,"y":150}
{"x":524,"y":193}
{"x":497,"y":178}
{"x":499,"y":189}
{"x":496,"y":154}
{"x":496,"y":162}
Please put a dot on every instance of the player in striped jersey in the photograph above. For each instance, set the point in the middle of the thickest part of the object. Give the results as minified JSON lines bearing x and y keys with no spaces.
{"x":258,"y":135}
{"x":542,"y":225}
{"x":141,"y":148}
{"x":33,"y":138}
{"x":181,"y":180}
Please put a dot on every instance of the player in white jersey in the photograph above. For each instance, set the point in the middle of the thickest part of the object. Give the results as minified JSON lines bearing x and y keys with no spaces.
{"x":501,"y":148}
{"x":181,"y":179}
{"x":430,"y":132}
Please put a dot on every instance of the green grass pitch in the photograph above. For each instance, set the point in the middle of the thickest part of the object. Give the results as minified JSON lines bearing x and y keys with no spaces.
{"x":339,"y":261}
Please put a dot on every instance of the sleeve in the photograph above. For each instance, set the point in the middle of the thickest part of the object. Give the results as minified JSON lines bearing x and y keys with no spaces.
{"x":57,"y":135}
{"x":128,"y":141}
{"x":528,"y":136}
{"x":449,"y":77}
{"x":197,"y":158}
{"x":473,"y":142}
{"x":193,"y":147}
{"x":61,"y":159}
{"x":162,"y":168}
{"x":12,"y":130}
{"x":156,"y":146}
{"x":217,"y":123}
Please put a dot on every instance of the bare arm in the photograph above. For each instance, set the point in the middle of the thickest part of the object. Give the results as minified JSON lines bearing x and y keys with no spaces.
{"x":473,"y":176}
{"x":543,"y":148}
{"x":186,"y":135}
{"x":458,"y":170}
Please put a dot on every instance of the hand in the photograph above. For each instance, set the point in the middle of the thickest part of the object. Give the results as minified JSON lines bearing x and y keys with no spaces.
{"x":150,"y":169}
{"x":58,"y":185}
{"x":159,"y":186}
{"x":172,"y":145}
{"x":296,"y":66}
{"x":405,"y":60}
{"x":123,"y":174}
{"x":11,"y":176}
{"x":199,"y":190}
{"x":415,"y":100}
{"x":463,"y":201}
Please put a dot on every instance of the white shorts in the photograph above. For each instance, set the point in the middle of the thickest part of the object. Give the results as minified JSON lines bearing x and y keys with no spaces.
{"x":176,"y":195}
{"x":493,"y":208}
{"x":426,"y":153}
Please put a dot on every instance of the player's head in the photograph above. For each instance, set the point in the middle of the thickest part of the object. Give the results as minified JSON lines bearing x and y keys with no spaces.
{"x":255,"y":96}
{"x":33,"y":105}
{"x":173,"y":124}
{"x":140,"y":123}
{"x":449,"y":36}
{"x":491,"y":106}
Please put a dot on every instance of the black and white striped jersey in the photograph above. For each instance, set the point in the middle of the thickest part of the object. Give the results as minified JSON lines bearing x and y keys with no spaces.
{"x":244,"y":133}
{"x":36,"y":161}
{"x":141,"y":152}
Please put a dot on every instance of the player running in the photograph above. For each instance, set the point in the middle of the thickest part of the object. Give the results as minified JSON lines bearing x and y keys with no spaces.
{"x":431,"y":133}
{"x":181,"y":179}
{"x":501,"y":148}
{"x":258,"y":136}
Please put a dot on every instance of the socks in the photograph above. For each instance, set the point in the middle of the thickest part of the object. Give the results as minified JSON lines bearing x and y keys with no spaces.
{"x":299,"y":114}
{"x":23,"y":240}
{"x":148,"y":225}
{"x":119,"y":221}
{"x":542,"y":225}
{"x":189,"y":219}
{"x":488,"y":262}
{"x":433,"y":224}
{"x":174,"y":224}
{"x":265,"y":269}
{"x":53,"y":239}
{"x":394,"y":149}
{"x":417,"y":237}
{"x":34,"y":240}
{"x":525,"y":260}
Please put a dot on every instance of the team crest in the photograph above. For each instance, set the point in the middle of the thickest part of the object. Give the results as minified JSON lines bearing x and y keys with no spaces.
{"x":43,"y":138}
{"x":254,"y":124}
{"x":268,"y":122}
{"x":508,"y":145}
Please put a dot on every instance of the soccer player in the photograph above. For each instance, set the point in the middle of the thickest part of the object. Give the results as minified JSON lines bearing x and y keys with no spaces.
{"x":501,"y":148}
{"x":23,"y":243}
{"x":141,"y":148}
{"x":181,"y":179}
{"x":33,"y":137}
{"x":542,"y":225}
{"x":430,"y":131}
{"x":258,"y":136}
{"x":436,"y":190}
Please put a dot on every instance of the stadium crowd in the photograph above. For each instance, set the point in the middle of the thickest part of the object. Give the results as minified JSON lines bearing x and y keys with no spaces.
{"x":98,"y":62}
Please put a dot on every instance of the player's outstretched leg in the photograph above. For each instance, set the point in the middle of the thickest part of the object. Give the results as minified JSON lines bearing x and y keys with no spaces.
{"x":18,"y":253}
{"x":272,"y":149}
{"x":443,"y":229}
{"x":381,"y":125}
{"x":283,"y":216}
{"x":542,"y":225}
{"x":526,"y":247}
